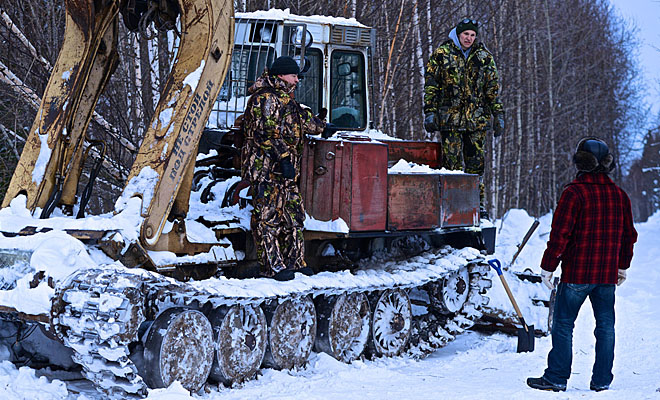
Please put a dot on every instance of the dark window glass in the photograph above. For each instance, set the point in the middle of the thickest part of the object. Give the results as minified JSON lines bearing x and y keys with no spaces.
{"x":348,"y":108}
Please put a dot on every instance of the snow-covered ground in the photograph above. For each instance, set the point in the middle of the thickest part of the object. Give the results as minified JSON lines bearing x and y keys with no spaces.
{"x":475,"y":366}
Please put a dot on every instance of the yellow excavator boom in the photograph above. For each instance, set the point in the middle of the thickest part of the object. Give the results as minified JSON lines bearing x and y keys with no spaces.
{"x":169,"y":146}
{"x":49,"y":168}
{"x":86,"y":60}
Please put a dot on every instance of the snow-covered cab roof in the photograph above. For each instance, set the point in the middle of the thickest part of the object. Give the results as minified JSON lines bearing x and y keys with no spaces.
{"x":324,"y":29}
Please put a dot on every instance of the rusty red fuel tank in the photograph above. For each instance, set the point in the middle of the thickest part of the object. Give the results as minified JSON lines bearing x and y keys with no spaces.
{"x":346,"y":179}
{"x":459,"y":196}
{"x":429,"y":200}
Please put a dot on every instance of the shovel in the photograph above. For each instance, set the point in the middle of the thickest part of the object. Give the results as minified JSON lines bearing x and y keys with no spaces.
{"x":526,"y":333}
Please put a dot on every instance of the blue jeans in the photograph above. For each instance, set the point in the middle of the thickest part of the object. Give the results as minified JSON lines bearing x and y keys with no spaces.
{"x":570,"y":297}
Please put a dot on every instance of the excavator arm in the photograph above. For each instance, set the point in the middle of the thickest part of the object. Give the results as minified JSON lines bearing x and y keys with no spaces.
{"x":49,"y":168}
{"x":46,"y":172}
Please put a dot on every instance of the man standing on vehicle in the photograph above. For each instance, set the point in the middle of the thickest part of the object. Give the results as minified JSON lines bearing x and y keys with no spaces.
{"x":461,"y":93}
{"x":275,"y":125}
{"x":592,"y":236}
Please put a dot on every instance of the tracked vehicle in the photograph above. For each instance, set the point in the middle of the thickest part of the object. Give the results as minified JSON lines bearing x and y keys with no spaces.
{"x":163,"y":289}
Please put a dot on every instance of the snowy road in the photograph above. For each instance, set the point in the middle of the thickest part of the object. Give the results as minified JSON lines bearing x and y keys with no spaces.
{"x":475,"y":366}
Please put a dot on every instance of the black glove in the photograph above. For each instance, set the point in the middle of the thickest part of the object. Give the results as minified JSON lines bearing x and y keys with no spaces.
{"x":430,"y":123}
{"x":329,"y":130}
{"x":323,"y":112}
{"x":287,"y":169}
{"x":499,"y":124}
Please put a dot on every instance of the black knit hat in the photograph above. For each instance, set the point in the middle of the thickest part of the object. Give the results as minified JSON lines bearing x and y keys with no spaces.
{"x":283,"y":66}
{"x":467,"y":24}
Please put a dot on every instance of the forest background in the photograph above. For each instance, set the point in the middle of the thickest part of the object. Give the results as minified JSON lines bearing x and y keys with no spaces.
{"x":568,"y":69}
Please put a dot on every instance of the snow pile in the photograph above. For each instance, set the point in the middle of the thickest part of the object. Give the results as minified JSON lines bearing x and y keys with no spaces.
{"x":511,"y":229}
{"x":22,"y":383}
{"x":17,"y":217}
{"x":336,"y":225}
{"x":406,"y":167}
{"x":55,"y":255}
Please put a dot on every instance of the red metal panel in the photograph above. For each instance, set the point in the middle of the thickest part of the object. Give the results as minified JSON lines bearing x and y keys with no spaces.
{"x":347,"y":180}
{"x":413,"y":201}
{"x":318,"y":178}
{"x":460,"y":200}
{"x":425,"y":153}
{"x":369,"y":186}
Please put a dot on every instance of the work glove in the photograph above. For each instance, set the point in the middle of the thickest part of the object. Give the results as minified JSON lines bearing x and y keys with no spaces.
{"x":622,"y":277}
{"x":287,"y":169}
{"x":323,"y":112}
{"x":546,"y":278}
{"x":499,"y":124}
{"x":330,"y":129}
{"x":430,"y":122}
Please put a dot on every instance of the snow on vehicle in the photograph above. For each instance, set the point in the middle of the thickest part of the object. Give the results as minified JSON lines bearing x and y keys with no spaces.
{"x":161,"y":290}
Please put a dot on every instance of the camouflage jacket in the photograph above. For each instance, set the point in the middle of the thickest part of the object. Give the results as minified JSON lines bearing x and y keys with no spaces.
{"x":275,"y":125}
{"x":463,"y":93}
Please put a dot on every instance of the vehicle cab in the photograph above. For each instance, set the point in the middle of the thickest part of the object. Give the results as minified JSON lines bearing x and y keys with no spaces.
{"x":333,"y":54}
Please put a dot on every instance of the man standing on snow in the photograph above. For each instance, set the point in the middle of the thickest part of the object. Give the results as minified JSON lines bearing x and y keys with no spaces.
{"x":275,"y":125}
{"x":460,"y":95}
{"x":592,"y":236}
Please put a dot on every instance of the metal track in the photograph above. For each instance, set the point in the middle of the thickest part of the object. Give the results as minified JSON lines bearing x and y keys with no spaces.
{"x":433,"y":330}
{"x":98,"y":313}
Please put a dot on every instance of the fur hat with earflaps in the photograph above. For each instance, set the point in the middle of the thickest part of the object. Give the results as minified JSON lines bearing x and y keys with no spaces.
{"x":593,"y":155}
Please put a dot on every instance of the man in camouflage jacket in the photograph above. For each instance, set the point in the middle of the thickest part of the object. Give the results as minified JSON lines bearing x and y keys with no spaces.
{"x":275,"y":125}
{"x":460,"y":95}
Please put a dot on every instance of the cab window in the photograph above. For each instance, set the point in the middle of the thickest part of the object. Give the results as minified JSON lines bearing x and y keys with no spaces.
{"x":308,"y":91}
{"x":347,"y":90}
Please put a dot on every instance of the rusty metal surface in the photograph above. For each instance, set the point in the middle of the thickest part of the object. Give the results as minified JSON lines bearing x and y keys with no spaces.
{"x":179,"y":347}
{"x":413,"y":201}
{"x":460,"y":200}
{"x":343,"y":325}
{"x":43,"y":318}
{"x":424,"y":153}
{"x":241,"y":337}
{"x":347,"y":180}
{"x":291,"y":333}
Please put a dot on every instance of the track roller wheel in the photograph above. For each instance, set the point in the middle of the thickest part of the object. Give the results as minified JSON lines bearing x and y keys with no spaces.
{"x":343,"y":327}
{"x":240,"y":336}
{"x":178,"y":347}
{"x":450,"y":295}
{"x":291,"y":333}
{"x":391,"y":323}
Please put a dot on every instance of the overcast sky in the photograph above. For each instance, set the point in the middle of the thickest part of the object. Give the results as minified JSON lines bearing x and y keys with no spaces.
{"x":646,"y":16}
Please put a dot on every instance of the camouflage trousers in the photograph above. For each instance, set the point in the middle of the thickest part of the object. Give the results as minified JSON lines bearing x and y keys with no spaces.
{"x":277,"y":226}
{"x":464,"y":151}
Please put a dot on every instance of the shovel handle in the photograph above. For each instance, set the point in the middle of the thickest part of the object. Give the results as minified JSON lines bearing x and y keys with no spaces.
{"x":525,"y":239}
{"x":495,"y":263}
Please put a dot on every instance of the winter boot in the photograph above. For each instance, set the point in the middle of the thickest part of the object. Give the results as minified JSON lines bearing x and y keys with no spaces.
{"x":307,"y":271}
{"x":542,"y":384}
{"x":284,"y":275}
{"x":597,"y":388}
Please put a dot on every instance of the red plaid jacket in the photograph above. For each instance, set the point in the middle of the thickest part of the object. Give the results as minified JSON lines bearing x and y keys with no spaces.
{"x":592,"y":231}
